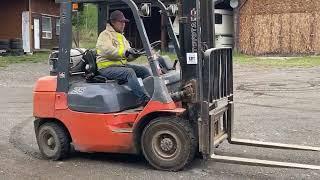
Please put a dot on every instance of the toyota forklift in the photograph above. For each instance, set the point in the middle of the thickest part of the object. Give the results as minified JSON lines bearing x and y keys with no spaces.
{"x":189,"y":113}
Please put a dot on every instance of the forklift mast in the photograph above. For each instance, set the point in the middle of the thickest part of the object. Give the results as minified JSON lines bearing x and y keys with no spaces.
{"x":196,"y":37}
{"x":210,"y":72}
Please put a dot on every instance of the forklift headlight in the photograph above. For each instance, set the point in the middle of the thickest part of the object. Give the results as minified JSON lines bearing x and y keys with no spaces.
{"x":234,"y":3}
{"x":145,"y":9}
{"x":173,"y":10}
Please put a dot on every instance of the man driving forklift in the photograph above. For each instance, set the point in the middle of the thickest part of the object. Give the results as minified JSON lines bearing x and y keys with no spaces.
{"x":113,"y":53}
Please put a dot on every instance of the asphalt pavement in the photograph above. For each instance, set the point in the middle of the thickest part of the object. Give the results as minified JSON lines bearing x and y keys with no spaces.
{"x":278,"y":105}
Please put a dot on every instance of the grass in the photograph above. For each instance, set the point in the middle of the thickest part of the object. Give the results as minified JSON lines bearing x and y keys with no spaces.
{"x":88,"y":39}
{"x":278,"y":62}
{"x":274,"y":62}
{"x":36,"y":57}
{"x":143,"y":59}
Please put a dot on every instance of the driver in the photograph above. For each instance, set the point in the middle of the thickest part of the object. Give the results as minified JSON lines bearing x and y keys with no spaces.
{"x":113,"y":53}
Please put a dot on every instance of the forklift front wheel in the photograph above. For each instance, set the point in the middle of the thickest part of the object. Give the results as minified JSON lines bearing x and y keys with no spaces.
{"x":168,"y":143}
{"x":53,"y":141}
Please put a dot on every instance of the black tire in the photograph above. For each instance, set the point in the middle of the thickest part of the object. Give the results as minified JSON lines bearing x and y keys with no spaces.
{"x":16,"y":44}
{"x":53,"y":141}
{"x":168,"y":143}
{"x":4,"y":44}
{"x":16,"y":52}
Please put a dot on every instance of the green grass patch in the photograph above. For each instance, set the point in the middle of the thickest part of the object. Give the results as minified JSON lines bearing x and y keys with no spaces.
{"x":143,"y":59}
{"x":273,"y":62}
{"x":278,"y":62}
{"x":36,"y":57}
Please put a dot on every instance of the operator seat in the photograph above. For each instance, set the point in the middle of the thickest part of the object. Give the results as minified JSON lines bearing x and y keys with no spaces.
{"x":91,"y":68}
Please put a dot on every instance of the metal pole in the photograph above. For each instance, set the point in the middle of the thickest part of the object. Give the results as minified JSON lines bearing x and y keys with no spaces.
{"x":144,"y":37}
{"x":170,"y":31}
{"x":65,"y":42}
{"x":163,"y":33}
{"x":78,"y":29}
{"x":207,"y":26}
{"x":103,"y":12}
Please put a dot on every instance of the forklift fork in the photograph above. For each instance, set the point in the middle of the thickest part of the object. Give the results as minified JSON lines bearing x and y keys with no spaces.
{"x":217,"y":114}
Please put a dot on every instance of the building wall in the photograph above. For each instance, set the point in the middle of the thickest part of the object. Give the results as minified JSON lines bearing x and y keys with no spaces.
{"x":285,"y":27}
{"x":46,"y":8}
{"x":47,"y":43}
{"x":11,"y":18}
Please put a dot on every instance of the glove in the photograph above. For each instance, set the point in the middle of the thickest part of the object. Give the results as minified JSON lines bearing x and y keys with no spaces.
{"x":132,"y":53}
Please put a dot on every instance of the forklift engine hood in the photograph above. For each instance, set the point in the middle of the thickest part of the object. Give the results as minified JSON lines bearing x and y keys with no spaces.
{"x":46,"y":84}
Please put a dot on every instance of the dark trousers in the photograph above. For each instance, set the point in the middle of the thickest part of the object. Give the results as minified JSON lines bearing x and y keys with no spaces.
{"x":128,"y":73}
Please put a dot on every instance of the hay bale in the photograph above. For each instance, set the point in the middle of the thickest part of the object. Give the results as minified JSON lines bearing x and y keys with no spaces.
{"x":262,"y":34}
{"x":280,"y":27}
{"x":302,"y":6}
{"x":316,"y":33}
{"x":300,"y":33}
{"x":246,"y":34}
{"x":276,"y":38}
{"x":279,"y":7}
{"x":285,"y":37}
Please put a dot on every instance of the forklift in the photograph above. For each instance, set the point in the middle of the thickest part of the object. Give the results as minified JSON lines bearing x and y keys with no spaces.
{"x":176,"y":124}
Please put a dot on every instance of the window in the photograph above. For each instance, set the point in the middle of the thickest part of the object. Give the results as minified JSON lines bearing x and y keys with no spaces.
{"x":57,"y":27}
{"x":218,"y":18}
{"x":46,"y":28}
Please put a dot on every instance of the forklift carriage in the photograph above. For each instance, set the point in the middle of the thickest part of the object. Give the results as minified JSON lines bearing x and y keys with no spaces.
{"x":194,"y":117}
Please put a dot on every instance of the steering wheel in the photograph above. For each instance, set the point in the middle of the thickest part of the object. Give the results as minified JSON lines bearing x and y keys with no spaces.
{"x":153,"y":45}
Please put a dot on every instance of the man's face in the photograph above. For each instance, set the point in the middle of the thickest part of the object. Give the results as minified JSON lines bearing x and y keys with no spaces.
{"x":119,"y":26}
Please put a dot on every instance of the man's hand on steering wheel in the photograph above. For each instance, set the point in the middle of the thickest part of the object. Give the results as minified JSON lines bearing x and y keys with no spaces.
{"x":132,"y":53}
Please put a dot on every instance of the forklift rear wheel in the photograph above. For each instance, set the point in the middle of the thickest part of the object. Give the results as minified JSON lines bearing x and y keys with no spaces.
{"x":168,"y":143}
{"x":53,"y":141}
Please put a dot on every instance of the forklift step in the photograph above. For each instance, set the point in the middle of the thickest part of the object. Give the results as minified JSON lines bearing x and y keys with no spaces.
{"x":122,"y":130}
{"x":259,"y":162}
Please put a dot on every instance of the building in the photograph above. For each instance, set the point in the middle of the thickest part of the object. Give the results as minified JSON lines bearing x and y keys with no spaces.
{"x":36,"y":22}
{"x":273,"y":27}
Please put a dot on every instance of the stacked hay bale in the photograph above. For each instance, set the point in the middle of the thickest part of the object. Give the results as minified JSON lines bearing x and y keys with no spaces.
{"x":286,"y":27}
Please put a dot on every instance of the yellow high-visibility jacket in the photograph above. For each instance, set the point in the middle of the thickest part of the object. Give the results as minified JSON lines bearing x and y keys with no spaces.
{"x":111,"y":47}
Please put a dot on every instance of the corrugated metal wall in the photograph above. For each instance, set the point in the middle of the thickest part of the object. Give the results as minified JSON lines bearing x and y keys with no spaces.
{"x":285,"y":27}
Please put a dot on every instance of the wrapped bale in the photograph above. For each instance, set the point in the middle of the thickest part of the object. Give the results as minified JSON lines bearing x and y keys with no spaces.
{"x":286,"y":27}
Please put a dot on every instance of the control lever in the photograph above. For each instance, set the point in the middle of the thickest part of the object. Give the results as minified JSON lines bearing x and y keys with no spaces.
{"x":174,"y":64}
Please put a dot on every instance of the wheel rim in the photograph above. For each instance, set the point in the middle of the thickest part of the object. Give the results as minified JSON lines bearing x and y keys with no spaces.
{"x":48,"y":142}
{"x":166,"y":144}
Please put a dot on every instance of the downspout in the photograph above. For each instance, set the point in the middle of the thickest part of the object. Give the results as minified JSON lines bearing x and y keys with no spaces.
{"x":236,"y":19}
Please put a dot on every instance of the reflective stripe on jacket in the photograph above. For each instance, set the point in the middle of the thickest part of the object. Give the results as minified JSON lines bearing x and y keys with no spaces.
{"x":111,"y":47}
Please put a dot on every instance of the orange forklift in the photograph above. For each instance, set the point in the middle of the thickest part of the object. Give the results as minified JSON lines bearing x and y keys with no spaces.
{"x":191,"y":107}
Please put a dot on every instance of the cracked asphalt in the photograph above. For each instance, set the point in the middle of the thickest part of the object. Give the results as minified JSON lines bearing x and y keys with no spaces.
{"x":278,"y":105}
